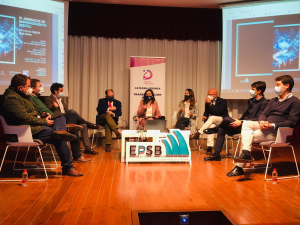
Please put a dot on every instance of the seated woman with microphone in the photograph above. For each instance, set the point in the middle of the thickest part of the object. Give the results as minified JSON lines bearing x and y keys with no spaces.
{"x":148,"y":109}
{"x":187,"y":113}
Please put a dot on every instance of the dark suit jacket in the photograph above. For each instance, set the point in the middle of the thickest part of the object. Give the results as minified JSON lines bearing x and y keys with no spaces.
{"x":103,"y":105}
{"x":49,"y":103}
{"x":255,"y":108}
{"x":219,"y":109}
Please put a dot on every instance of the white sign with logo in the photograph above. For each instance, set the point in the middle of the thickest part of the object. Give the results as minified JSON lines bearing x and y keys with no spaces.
{"x":174,"y":147}
{"x":146,"y":73}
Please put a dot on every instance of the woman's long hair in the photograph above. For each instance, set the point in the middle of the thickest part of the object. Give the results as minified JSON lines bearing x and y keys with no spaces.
{"x":192,"y":98}
{"x":145,"y":99}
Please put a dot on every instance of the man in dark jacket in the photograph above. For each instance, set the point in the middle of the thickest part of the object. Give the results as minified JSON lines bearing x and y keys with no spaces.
{"x":230,"y":126}
{"x":18,"y":109}
{"x":215,"y":111}
{"x":55,"y":103}
{"x":109,"y":110}
{"x":37,"y":90}
{"x":282,"y":111}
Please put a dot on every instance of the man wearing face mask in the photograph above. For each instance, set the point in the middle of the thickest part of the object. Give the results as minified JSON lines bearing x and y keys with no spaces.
{"x":73,"y":128}
{"x":18,"y":109}
{"x":109,"y":110}
{"x":215,"y":111}
{"x":55,"y":103}
{"x":281,"y":111}
{"x":230,"y":126}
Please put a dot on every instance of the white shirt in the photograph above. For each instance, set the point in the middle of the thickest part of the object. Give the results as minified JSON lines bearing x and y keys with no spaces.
{"x":186,"y":110}
{"x":149,"y":112}
{"x":61,"y":106}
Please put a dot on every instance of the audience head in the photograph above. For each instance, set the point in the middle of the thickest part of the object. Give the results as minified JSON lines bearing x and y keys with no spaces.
{"x":148,"y":96}
{"x":57,"y":89}
{"x":37,"y":87}
{"x":21,"y":83}
{"x":109,"y":94}
{"x":212,"y":94}
{"x":284,"y":83}
{"x":257,"y":88}
{"x":189,"y":96}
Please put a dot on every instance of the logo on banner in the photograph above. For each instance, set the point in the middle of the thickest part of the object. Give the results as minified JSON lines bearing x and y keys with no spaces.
{"x":178,"y":148}
{"x":147,"y":74}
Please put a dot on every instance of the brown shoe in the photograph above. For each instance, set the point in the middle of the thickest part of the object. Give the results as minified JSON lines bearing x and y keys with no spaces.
{"x":195,"y":135}
{"x":63,"y":135}
{"x":118,"y":134}
{"x":90,"y":151}
{"x":82,"y":160}
{"x":74,"y":127}
{"x":73,"y":172}
{"x":107,"y":148}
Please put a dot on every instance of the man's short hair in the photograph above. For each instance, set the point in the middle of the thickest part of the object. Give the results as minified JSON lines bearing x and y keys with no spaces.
{"x":259,"y":85}
{"x":19,"y":80}
{"x":286,"y":79}
{"x":33,"y":82}
{"x":108,"y":90}
{"x":55,"y":86}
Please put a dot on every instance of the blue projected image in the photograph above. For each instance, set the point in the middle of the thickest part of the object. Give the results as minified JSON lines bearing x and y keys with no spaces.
{"x":286,"y":48}
{"x":10,"y":38}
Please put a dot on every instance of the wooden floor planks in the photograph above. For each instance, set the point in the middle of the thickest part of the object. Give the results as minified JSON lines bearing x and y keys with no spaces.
{"x":110,"y":190}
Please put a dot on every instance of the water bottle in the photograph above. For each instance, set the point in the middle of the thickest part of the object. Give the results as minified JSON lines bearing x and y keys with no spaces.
{"x":252,"y":163}
{"x":25,"y":178}
{"x":274,"y":176}
{"x":199,"y":144}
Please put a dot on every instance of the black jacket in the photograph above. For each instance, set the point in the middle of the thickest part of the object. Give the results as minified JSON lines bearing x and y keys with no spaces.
{"x":219,"y":109}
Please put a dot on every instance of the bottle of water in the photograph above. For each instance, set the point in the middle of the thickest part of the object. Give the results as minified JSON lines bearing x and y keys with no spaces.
{"x":274,"y":176}
{"x":24,"y":178}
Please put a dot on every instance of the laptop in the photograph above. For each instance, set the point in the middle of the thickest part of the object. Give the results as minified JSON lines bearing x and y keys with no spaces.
{"x":156,"y":125}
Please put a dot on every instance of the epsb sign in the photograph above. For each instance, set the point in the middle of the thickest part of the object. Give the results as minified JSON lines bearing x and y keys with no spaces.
{"x":174,"y":147}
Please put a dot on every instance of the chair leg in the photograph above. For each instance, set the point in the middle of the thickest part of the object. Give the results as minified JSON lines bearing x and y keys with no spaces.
{"x":93,"y":139}
{"x":3,"y":157}
{"x":26,"y":156}
{"x":16,"y":159}
{"x":236,"y":149}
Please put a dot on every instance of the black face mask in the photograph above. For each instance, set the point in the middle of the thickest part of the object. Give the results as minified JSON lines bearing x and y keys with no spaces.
{"x":187,"y":97}
{"x":110,"y":98}
{"x":148,"y":98}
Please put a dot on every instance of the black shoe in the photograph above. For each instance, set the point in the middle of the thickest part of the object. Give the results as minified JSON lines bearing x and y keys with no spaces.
{"x":213,"y":157}
{"x":210,"y":130}
{"x":237,"y":171}
{"x":244,"y":158}
{"x":90,"y":151}
{"x":107,"y":148}
{"x":209,"y":151}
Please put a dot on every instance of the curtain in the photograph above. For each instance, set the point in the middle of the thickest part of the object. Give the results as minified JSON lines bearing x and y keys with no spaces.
{"x":97,"y":64}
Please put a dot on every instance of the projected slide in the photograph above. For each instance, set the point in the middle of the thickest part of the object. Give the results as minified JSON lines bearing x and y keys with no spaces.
{"x":31,"y":41}
{"x":259,"y":43}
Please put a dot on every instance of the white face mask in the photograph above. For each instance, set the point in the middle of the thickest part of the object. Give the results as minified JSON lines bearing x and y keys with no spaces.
{"x":60,"y":94}
{"x":210,"y":97}
{"x":41,"y":90}
{"x":252,"y":93}
{"x":278,"y":90}
{"x":29,"y":91}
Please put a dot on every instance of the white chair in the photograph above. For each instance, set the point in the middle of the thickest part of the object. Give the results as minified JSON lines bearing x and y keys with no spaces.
{"x":20,"y":136}
{"x":280,"y":142}
{"x":235,"y":137}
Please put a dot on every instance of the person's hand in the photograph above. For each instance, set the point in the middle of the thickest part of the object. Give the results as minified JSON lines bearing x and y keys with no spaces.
{"x":146,"y":106}
{"x":156,"y":117}
{"x":236,"y":123}
{"x":113,"y":108}
{"x":181,"y":110}
{"x":55,"y":105}
{"x":49,"y":121}
{"x":204,"y":118}
{"x":109,"y":112}
{"x":265,"y":125}
{"x":44,"y":114}
{"x":207,"y":100}
{"x":190,"y":114}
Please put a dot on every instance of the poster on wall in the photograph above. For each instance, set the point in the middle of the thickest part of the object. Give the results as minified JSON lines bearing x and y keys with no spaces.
{"x":146,"y":73}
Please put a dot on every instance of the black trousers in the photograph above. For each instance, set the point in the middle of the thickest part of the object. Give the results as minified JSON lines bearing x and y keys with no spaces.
{"x":223,"y":129}
{"x":182,"y":123}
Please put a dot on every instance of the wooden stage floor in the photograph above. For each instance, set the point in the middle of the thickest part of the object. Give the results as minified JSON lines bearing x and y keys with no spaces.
{"x":110,"y":190}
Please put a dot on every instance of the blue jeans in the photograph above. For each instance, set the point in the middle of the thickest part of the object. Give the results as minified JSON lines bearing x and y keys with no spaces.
{"x":61,"y":147}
